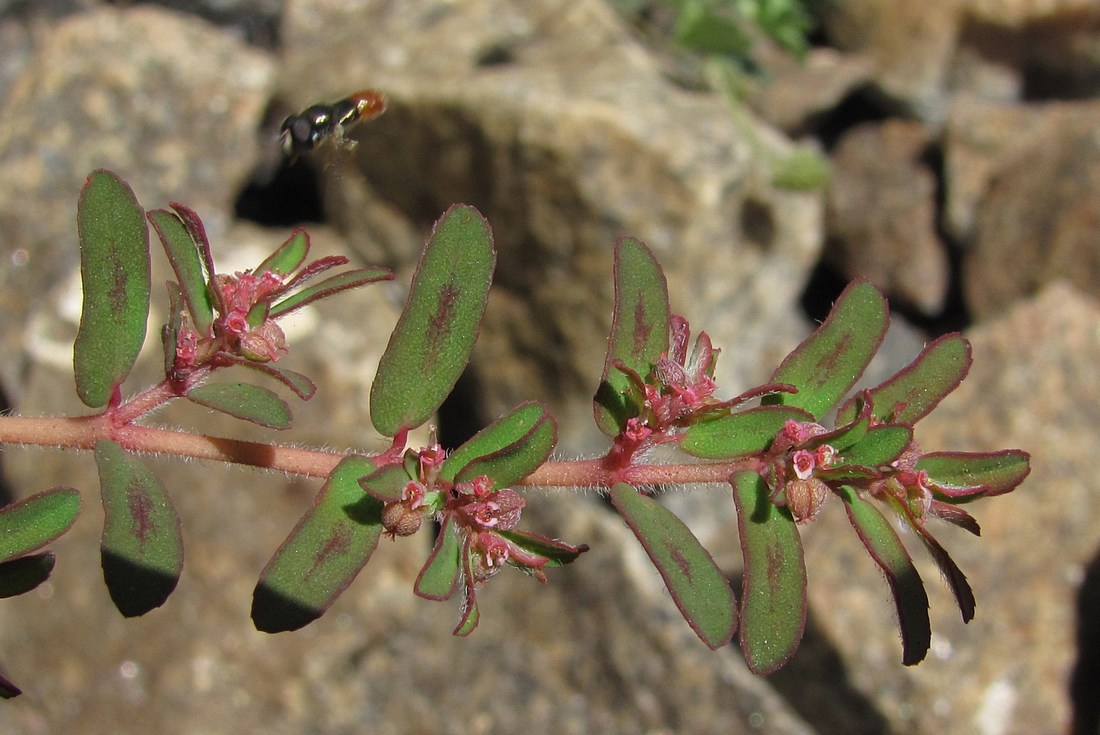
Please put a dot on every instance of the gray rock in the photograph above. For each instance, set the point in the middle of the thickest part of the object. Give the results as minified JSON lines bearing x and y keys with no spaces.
{"x":881,"y":214}
{"x":925,"y":52}
{"x":1038,"y":213}
{"x":568,"y":140}
{"x":167,"y":118}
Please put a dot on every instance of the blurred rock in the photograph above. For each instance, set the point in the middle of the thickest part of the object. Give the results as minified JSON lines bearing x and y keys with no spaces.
{"x":925,"y":52}
{"x":171,"y":121}
{"x":563,"y":131}
{"x":1025,"y":178}
{"x":881,"y":214}
{"x":795,"y":95}
{"x":910,"y":45}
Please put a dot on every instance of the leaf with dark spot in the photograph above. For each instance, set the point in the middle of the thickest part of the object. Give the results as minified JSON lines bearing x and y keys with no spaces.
{"x":639,"y":331}
{"x":831,"y":359}
{"x":695,"y":582}
{"x":919,"y":387}
{"x":773,"y":595}
{"x":322,"y":555}
{"x":141,"y":547}
{"x":114,"y":271}
{"x":431,"y":344}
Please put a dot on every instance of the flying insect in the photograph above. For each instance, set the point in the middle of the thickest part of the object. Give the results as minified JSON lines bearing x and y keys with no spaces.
{"x":310,"y":128}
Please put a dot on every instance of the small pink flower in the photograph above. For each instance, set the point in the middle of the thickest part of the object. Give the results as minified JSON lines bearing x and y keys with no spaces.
{"x":804,"y":463}
{"x":413,"y":494}
{"x":501,"y":512}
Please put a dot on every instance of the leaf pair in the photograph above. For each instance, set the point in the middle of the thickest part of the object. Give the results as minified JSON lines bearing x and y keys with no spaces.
{"x":427,"y":352}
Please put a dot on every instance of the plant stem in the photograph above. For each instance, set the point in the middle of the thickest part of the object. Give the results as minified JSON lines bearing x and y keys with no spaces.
{"x":82,"y":433}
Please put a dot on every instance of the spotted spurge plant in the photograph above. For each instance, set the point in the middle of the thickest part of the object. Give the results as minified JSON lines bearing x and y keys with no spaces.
{"x":772,"y":446}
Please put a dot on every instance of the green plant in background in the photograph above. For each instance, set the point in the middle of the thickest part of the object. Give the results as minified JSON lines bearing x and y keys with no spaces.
{"x":771,"y":445}
{"x":723,"y":35}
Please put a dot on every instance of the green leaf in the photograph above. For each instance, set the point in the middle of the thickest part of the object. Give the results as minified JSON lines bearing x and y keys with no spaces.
{"x":773,"y":594}
{"x":747,"y":432}
{"x":880,"y":446}
{"x":114,"y":270}
{"x":697,"y":585}
{"x":507,"y":450}
{"x":884,"y":546}
{"x":186,"y":259}
{"x":431,"y":344}
{"x":639,"y":331}
{"x":37,"y":520}
{"x":471,"y":616}
{"x":831,"y":359}
{"x":440,"y":574}
{"x":842,"y":438}
{"x":288,"y":257}
{"x":302,"y":385}
{"x":954,"y":576}
{"x":141,"y":547}
{"x":21,"y":575}
{"x":328,"y":287}
{"x":558,"y":553}
{"x":962,"y":476}
{"x":386,"y":483}
{"x":322,"y":555}
{"x":918,"y":388}
{"x":702,"y":27}
{"x":244,"y":401}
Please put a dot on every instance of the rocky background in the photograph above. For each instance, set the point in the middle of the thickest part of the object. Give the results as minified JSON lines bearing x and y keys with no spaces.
{"x":963,"y":139}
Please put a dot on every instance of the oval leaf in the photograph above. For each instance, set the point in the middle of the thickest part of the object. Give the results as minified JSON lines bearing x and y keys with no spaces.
{"x":186,"y":259}
{"x":639,"y":331}
{"x":557,"y":553}
{"x":114,"y":271}
{"x":440,"y":574}
{"x":918,"y":388}
{"x":773,"y":594}
{"x":695,"y":582}
{"x":386,"y":484}
{"x":431,"y":344}
{"x":288,"y":257}
{"x":37,"y":520}
{"x":746,"y":432}
{"x":507,"y":450}
{"x":244,"y":401}
{"x":880,"y":446}
{"x":966,"y":475}
{"x":831,"y":359}
{"x":25,"y":573}
{"x":141,"y":548}
{"x":322,"y":555}
{"x":884,"y":546}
